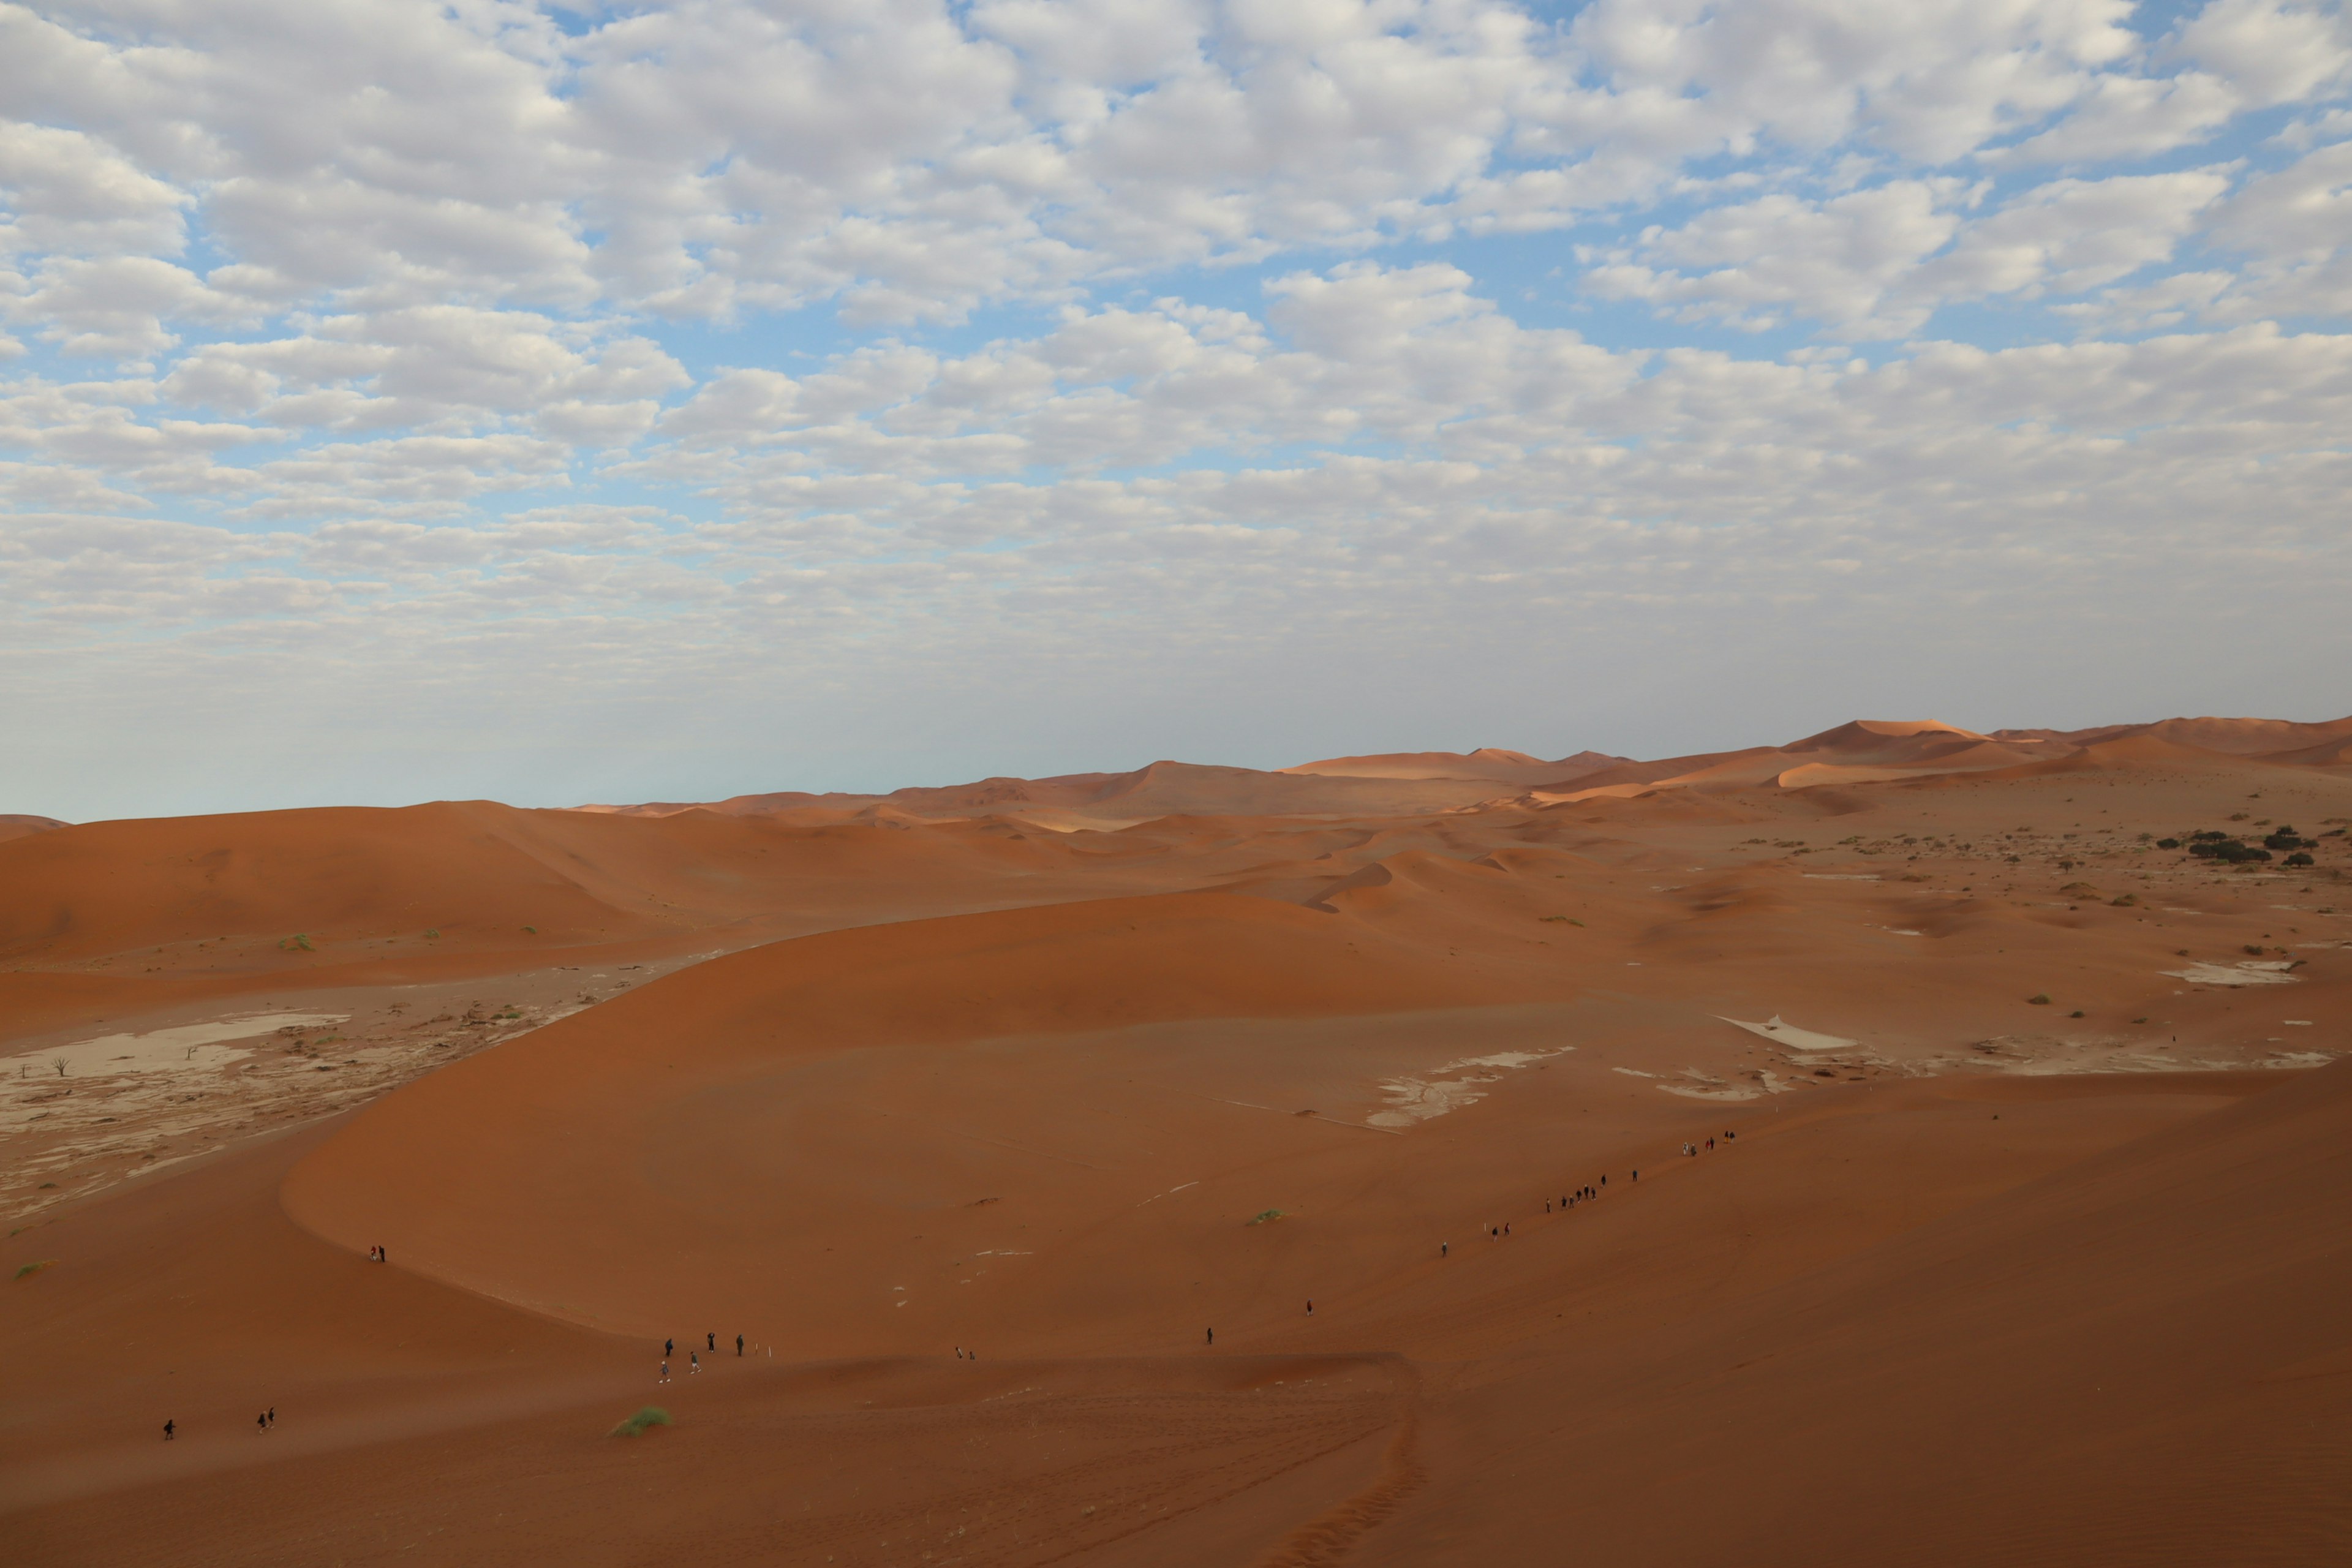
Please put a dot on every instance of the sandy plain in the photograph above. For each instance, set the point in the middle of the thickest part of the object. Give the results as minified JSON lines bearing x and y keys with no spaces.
{"x":2011,"y":1227}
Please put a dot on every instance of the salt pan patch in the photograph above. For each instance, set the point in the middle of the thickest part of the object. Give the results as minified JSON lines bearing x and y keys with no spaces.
{"x":191,"y":1047}
{"x":2235,"y":974}
{"x":1790,"y":1036}
{"x":1414,"y":1098}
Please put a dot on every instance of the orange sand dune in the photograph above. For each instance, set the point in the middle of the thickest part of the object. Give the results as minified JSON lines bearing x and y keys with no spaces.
{"x":447,"y":1175}
{"x":23,"y":826}
{"x":1487,"y":763}
{"x":2246,"y":737}
{"x":2139,"y":1356}
{"x":362,"y":883}
{"x":1161,"y":789}
{"x":116,"y":921}
{"x":2329,"y":754}
{"x":1987,"y":1210}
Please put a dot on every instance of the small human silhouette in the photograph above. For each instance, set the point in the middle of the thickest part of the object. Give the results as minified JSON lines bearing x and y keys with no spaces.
{"x":739,"y":1344}
{"x":1212,"y":1336}
{"x":670,"y":1348}
{"x":171,"y":1430}
{"x":1310,"y":1307}
{"x":711,"y":1341}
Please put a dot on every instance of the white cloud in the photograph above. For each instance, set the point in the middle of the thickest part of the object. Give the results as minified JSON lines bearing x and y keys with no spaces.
{"x":876,"y":347}
{"x":2271,"y":52}
{"x":2069,"y":236}
{"x":65,"y":194}
{"x":1832,"y":261}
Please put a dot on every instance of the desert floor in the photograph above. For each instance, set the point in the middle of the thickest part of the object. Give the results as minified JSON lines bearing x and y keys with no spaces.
{"x":2016,"y":1222}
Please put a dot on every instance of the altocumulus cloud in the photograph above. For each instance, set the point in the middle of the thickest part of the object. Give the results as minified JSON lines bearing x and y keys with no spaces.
{"x":399,"y":399}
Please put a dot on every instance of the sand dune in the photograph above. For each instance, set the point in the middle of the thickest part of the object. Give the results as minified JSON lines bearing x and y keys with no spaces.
{"x":1161,"y":789}
{"x":2006,"y":1178}
{"x":1489,"y":763}
{"x":2113,"y":1300}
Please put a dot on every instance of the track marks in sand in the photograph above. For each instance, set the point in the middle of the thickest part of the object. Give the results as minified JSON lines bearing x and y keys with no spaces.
{"x":1328,"y":1539}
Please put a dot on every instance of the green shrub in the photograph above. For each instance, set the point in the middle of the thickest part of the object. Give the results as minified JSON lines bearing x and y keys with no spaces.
{"x":2041,"y":999}
{"x":1268,"y":1217}
{"x":32,"y":1269}
{"x":651,"y":1415}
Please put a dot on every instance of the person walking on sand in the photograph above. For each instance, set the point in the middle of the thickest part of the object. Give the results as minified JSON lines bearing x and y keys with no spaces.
{"x":669,"y":1349}
{"x":739,"y":1346}
{"x":693,"y":1363}
{"x":171,"y":1428}
{"x":1213,"y":1336}
{"x":1442,"y":1248}
{"x":261,"y":1424}
{"x":1310,"y":1306}
{"x":273,"y":1416}
{"x":710,"y":1340}
{"x":665,"y":1373}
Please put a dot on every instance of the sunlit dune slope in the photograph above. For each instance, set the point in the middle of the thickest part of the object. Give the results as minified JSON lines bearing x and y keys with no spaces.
{"x":1160,"y":789}
{"x":1487,"y":763}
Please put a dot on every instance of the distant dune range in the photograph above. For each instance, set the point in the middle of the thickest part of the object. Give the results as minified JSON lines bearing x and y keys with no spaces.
{"x":1403,"y":781}
{"x":2009,"y":1229}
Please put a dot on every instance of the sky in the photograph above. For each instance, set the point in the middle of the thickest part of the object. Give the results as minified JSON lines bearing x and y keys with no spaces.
{"x":608,"y":402}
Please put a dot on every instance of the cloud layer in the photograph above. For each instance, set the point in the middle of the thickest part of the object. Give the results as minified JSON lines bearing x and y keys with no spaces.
{"x":402,"y":399}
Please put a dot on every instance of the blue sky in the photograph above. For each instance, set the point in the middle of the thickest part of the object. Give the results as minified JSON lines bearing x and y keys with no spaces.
{"x":401,"y":401}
